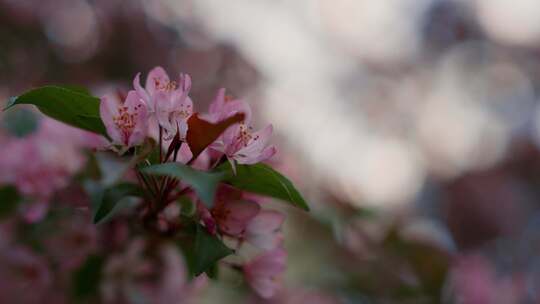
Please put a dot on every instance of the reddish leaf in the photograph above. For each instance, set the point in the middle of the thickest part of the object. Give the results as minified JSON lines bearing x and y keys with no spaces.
{"x":201,"y":133}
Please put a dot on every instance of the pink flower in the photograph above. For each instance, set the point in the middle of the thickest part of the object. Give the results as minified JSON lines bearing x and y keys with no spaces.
{"x":76,"y":237}
{"x":264,"y":230}
{"x":126,"y":121}
{"x":232,"y":213}
{"x":159,"y":278}
{"x":225,"y":106}
{"x":168,"y":103}
{"x":232,"y":217}
{"x":238,"y":142}
{"x":475,"y":281}
{"x":24,"y":276}
{"x":264,"y":272}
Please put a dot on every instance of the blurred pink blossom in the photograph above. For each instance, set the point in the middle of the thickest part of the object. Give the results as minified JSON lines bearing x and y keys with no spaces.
{"x":133,"y":276}
{"x":75,"y":239}
{"x":298,"y":296}
{"x":43,"y":162}
{"x":264,"y":230}
{"x":476,"y":282}
{"x":24,"y":276}
{"x":264,"y":272}
{"x":232,"y":213}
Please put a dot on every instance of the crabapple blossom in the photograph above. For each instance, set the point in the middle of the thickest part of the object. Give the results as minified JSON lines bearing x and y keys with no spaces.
{"x":264,"y":272}
{"x":126,"y":121}
{"x":224,"y":106}
{"x":168,"y":103}
{"x":230,"y":214}
{"x":263,"y":231}
{"x":239,"y":143}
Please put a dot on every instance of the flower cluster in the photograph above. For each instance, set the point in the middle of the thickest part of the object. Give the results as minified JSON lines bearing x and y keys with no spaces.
{"x":167,"y":196}
{"x":163,"y":112}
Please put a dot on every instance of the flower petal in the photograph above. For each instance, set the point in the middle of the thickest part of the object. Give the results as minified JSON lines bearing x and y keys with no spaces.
{"x":251,"y":159}
{"x":157,"y":77}
{"x":108,"y":108}
{"x":138,"y":108}
{"x":266,"y":220}
{"x":263,"y":230}
{"x":233,"y":216}
{"x":184,"y":81}
{"x":217,"y":104}
{"x":262,"y":272}
{"x":142,"y":93}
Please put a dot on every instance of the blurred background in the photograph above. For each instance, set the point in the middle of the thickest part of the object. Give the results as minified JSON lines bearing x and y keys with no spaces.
{"x":411,"y":126}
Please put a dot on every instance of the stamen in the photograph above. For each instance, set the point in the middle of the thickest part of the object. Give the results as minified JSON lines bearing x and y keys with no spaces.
{"x":244,"y":136}
{"x":167,"y":86}
{"x":125,"y":121}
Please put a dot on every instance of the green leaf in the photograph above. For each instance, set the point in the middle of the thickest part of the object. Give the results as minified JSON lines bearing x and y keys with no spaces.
{"x":69,"y":106}
{"x":93,"y":124}
{"x":74,"y":87}
{"x":188,"y":208}
{"x":21,"y":122}
{"x":9,"y":199}
{"x":261,"y":179}
{"x":204,"y":251}
{"x":204,"y":183}
{"x":106,"y":201}
{"x":213,"y":271}
{"x":86,"y":279}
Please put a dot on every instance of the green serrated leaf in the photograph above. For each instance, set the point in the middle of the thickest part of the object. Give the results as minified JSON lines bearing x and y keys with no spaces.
{"x":204,"y":183}
{"x":262,"y":179}
{"x":9,"y":199}
{"x":71,"y":107}
{"x":107,"y":200}
{"x":86,"y":279}
{"x":204,"y":251}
